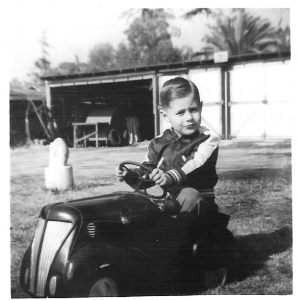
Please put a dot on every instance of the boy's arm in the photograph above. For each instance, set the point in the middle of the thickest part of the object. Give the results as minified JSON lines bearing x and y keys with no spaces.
{"x":202,"y":154}
{"x":150,"y":161}
{"x":151,"y":157}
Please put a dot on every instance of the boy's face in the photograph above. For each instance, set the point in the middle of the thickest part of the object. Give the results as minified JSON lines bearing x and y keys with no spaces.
{"x":184,"y":114}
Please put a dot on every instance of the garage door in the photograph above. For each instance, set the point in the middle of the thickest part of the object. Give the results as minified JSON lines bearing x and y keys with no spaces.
{"x":260,"y":100}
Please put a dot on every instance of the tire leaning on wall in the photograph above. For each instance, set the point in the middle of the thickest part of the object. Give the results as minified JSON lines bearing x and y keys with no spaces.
{"x":114,"y":138}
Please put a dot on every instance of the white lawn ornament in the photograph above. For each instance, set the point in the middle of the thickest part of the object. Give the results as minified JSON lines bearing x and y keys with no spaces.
{"x":59,"y":176}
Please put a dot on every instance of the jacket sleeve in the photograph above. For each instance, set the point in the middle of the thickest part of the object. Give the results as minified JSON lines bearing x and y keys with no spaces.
{"x":151,"y":156}
{"x":150,"y":162}
{"x":202,"y":154}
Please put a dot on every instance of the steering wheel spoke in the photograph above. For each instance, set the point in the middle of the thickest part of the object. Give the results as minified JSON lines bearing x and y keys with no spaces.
{"x":142,"y":182}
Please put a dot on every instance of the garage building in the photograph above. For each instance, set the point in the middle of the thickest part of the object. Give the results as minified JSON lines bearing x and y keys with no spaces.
{"x":245,"y":97}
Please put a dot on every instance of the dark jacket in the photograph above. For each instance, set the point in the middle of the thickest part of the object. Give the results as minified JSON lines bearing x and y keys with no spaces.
{"x":188,"y":160}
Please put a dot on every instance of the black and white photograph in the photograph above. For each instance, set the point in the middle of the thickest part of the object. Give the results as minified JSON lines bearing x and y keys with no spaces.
{"x":150,"y":149}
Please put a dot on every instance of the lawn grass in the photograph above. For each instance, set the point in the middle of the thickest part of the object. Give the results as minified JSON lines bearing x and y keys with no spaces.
{"x":260,"y":204}
{"x":259,"y":200}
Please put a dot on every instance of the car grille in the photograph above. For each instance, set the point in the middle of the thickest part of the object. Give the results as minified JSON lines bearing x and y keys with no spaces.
{"x":91,"y":230}
{"x":43,"y":252}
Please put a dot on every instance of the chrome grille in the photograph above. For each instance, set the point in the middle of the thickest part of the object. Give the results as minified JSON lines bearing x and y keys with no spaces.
{"x":55,"y":233}
{"x":34,"y":252}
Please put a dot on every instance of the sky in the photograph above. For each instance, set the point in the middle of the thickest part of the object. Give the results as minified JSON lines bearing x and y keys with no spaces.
{"x":75,"y":27}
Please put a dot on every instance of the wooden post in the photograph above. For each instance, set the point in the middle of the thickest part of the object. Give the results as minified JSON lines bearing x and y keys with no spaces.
{"x":84,"y":139}
{"x":75,"y":135}
{"x":97,"y":143}
{"x":27,"y":128}
{"x":40,"y":119}
{"x":155,"y":95}
{"x":48,"y":94}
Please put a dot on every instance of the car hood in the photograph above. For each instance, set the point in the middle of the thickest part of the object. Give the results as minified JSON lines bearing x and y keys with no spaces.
{"x":106,"y":208}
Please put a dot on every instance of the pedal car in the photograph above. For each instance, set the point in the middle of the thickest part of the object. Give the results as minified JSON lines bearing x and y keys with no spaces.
{"x":123,"y":244}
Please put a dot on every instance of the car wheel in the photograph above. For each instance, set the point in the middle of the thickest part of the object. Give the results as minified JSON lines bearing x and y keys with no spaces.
{"x":215,"y":278}
{"x":104,"y":287}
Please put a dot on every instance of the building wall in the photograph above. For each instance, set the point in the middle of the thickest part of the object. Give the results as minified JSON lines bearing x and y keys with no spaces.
{"x":260,"y":99}
{"x":250,"y":100}
{"x":246,"y":97}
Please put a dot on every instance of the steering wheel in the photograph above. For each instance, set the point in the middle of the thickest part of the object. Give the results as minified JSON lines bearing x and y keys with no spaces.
{"x":141,"y":182}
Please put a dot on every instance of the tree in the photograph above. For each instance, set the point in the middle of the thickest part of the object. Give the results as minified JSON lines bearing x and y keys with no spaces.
{"x":16,"y":84}
{"x":240,"y":33}
{"x":42,"y":65}
{"x":72,"y":68}
{"x":146,"y":13}
{"x":197,"y":11}
{"x":187,"y":53}
{"x":149,"y":37}
{"x":67,"y":68}
{"x":148,"y":43}
{"x":124,"y":58}
{"x":102,"y":57}
{"x":283,"y":38}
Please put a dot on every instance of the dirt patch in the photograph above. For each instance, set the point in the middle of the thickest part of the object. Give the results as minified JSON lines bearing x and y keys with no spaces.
{"x":101,"y":162}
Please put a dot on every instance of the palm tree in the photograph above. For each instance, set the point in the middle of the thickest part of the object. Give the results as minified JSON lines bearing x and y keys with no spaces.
{"x":237,"y":32}
{"x":241,"y":33}
{"x":284,"y":39}
{"x":196,"y":11}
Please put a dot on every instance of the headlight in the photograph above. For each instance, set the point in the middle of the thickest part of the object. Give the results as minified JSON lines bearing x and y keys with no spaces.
{"x":26,"y":276}
{"x":53,"y":285}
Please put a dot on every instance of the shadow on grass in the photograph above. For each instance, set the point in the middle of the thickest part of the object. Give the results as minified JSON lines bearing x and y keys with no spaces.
{"x":256,"y":249}
{"x":282,"y":144}
{"x":283,"y":173}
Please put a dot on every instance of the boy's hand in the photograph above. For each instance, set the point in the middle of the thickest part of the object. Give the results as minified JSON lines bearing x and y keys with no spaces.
{"x":160,"y":177}
{"x":120,"y":174}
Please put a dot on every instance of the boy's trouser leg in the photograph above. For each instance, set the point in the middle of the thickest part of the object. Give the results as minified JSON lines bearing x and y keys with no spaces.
{"x":191,"y":201}
{"x":191,"y":223}
{"x":188,"y":199}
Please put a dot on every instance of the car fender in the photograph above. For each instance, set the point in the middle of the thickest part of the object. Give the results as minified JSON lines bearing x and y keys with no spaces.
{"x":25,"y":266}
{"x":89,"y":260}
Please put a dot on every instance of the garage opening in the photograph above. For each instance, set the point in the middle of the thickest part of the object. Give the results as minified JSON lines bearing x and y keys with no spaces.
{"x":117,"y":100}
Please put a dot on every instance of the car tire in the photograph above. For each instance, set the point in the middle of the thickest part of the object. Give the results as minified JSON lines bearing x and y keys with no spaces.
{"x":215,"y":278}
{"x":104,"y":287}
{"x":216,"y":253}
{"x":114,"y":138}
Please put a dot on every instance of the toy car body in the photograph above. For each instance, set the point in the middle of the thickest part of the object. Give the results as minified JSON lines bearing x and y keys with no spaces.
{"x":120,"y":244}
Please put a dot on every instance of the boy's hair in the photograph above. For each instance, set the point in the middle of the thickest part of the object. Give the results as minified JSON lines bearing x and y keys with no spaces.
{"x":177,"y":88}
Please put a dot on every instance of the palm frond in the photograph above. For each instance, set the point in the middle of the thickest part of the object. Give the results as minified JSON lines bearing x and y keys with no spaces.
{"x":242,"y":33}
{"x":196,"y":11}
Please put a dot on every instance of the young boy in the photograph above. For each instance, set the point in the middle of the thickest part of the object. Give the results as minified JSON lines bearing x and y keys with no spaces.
{"x":185,"y":156}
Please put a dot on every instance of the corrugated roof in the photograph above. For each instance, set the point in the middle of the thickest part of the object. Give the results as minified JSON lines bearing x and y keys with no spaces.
{"x":171,"y":66}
